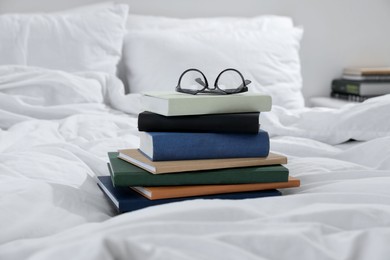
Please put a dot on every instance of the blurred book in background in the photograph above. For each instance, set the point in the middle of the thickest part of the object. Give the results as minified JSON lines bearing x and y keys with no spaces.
{"x":359,"y":84}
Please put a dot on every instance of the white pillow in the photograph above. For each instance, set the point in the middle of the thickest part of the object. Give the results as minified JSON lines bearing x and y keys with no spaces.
{"x":270,"y":59}
{"x":265,"y":22}
{"x":78,"y":40}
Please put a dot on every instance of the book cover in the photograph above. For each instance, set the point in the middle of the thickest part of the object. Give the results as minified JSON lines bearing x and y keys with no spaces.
{"x":135,"y":157}
{"x":125,"y":199}
{"x":367,"y":71}
{"x":361,"y":88}
{"x":201,"y":190}
{"x":179,"y":104}
{"x":245,"y":123}
{"x":166,"y":146}
{"x":127,"y":174}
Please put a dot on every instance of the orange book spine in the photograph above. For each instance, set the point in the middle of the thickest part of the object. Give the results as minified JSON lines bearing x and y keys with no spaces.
{"x":167,"y":192}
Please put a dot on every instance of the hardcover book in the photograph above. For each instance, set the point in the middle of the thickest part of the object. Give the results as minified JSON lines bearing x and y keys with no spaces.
{"x":166,"y":146}
{"x":368,"y":78}
{"x":367,"y":71}
{"x":245,"y":123}
{"x":135,"y":157}
{"x":179,"y":104}
{"x":349,"y":97}
{"x":127,"y":174}
{"x":201,"y":190}
{"x":125,"y":199}
{"x":361,"y":88}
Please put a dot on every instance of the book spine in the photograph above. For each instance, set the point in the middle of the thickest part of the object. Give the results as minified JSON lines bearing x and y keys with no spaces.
{"x":346,"y":86}
{"x":245,"y":123}
{"x":361,"y":88}
{"x":191,"y":146}
{"x":138,"y":203}
{"x":220,"y":105}
{"x":135,"y":176}
{"x":266,"y":174}
{"x":205,"y":105}
{"x":367,"y":71}
{"x":349,"y":97}
{"x":201,"y":190}
{"x":369,"y":78}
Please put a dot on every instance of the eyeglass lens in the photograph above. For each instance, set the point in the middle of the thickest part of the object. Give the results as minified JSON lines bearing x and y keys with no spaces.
{"x":229,"y":80}
{"x":192,"y":80}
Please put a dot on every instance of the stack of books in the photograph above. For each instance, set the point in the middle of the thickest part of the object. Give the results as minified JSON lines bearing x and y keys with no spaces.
{"x":197,"y":146}
{"x":359,"y":84}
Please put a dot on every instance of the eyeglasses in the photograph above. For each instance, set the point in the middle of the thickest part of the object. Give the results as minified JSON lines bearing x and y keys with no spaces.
{"x":228,"y":81}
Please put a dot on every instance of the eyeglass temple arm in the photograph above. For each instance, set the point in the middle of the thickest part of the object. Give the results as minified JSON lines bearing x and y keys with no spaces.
{"x":247,"y":82}
{"x":200,"y":81}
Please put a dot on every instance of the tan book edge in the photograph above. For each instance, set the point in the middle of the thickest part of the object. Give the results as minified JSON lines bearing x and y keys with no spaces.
{"x":134,"y":156}
{"x":168,"y":192}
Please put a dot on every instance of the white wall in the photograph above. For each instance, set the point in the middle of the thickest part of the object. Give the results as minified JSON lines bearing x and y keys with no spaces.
{"x":338,"y":33}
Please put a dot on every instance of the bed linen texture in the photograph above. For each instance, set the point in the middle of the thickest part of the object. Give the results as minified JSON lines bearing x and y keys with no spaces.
{"x":88,"y":38}
{"x":52,"y":149}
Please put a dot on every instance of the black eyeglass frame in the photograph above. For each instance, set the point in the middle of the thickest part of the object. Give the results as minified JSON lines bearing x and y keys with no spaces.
{"x":213,"y":90}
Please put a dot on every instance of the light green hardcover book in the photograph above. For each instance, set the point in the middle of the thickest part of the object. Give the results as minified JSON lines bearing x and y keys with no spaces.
{"x":179,"y":104}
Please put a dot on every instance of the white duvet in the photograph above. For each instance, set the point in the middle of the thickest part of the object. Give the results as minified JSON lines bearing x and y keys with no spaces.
{"x":56,"y":129}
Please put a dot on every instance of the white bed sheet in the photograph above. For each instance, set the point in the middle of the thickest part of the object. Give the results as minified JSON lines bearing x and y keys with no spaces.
{"x":51,"y":207}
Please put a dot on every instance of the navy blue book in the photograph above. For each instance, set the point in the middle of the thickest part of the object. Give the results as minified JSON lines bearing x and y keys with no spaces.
{"x":125,"y":199}
{"x":167,"y":146}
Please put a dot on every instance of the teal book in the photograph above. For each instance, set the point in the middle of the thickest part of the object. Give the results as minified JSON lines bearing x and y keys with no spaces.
{"x":127,"y":174}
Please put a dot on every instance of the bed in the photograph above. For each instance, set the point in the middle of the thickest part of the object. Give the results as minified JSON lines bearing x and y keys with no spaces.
{"x":58,"y":121}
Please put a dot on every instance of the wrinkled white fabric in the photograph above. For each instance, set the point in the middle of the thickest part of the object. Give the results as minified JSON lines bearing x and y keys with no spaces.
{"x":52,"y":148}
{"x":30,"y":92}
{"x":359,"y":121}
{"x":74,"y":40}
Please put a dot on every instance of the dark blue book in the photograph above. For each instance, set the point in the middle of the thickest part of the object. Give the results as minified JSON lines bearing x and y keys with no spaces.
{"x":125,"y":199}
{"x":167,"y":146}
